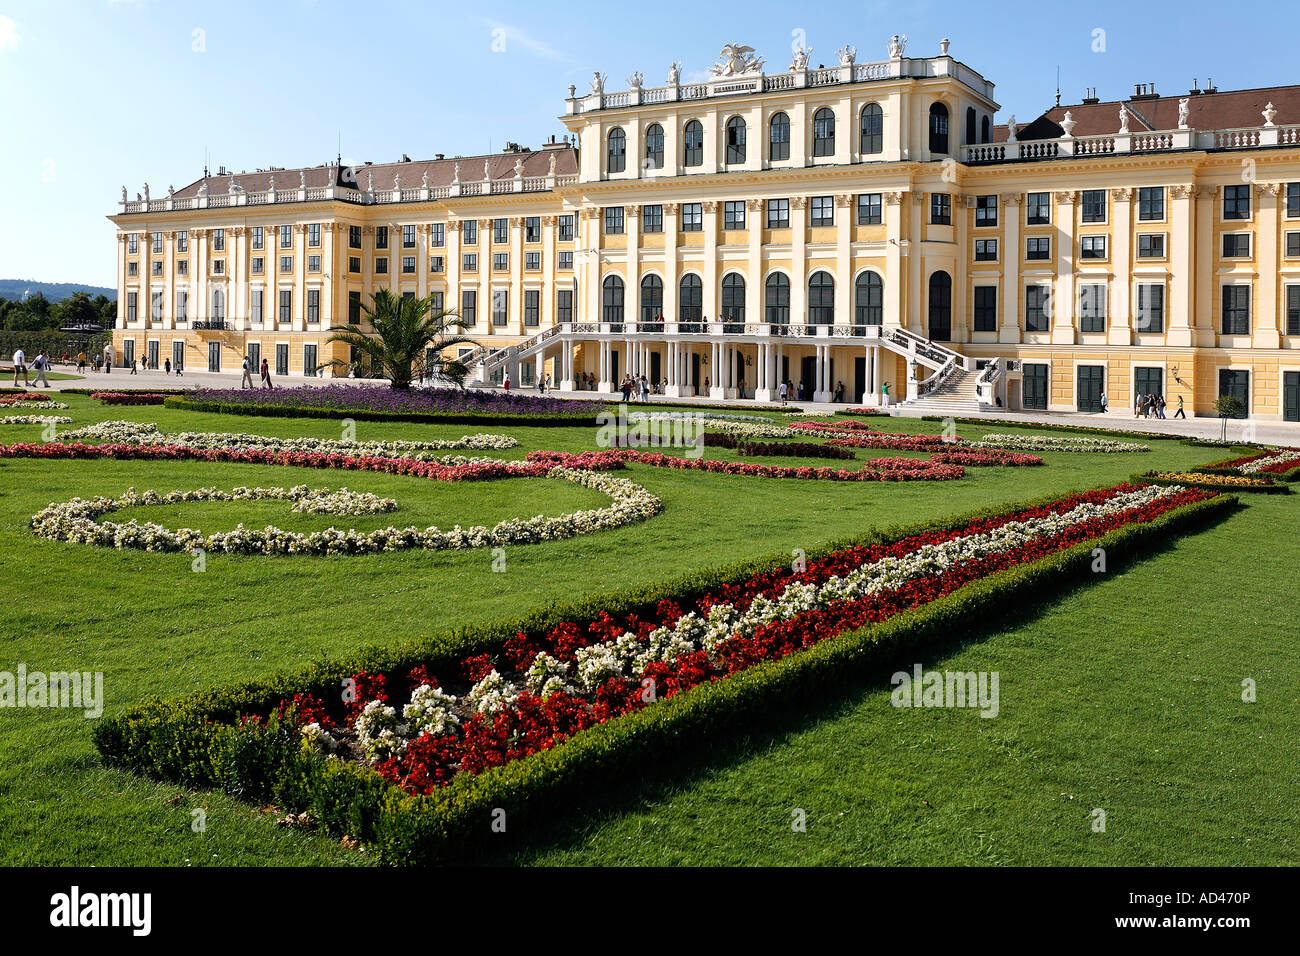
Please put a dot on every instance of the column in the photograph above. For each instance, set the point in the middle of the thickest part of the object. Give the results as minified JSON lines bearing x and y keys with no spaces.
{"x":549,"y":264}
{"x":566,"y":374}
{"x":798,"y":255}
{"x":1267,"y":331}
{"x":169,"y":285}
{"x":894,"y":277}
{"x":709,"y":269}
{"x":1009,"y":330}
{"x":754,"y":282}
{"x":914,"y":278}
{"x":843,"y":260}
{"x":1203,"y":317}
{"x":1121,"y":257}
{"x":670,"y":249}
{"x":1063,"y":294}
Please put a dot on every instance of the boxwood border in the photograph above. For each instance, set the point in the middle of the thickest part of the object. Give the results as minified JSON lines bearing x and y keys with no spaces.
{"x":580,"y":419}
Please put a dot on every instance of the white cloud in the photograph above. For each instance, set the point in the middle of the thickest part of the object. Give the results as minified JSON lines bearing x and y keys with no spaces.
{"x":8,"y":33}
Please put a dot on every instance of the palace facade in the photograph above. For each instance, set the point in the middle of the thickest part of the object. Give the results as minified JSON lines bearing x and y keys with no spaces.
{"x":844,"y":228}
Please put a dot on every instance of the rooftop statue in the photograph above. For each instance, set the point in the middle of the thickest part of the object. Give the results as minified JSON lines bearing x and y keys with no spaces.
{"x":736,"y":59}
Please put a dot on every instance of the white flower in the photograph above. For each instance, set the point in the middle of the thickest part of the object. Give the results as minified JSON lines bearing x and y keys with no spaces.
{"x":547,"y":676}
{"x":316,"y":738}
{"x":379,"y":731}
{"x":492,"y":694}
{"x":1053,"y":443}
{"x":429,"y":712}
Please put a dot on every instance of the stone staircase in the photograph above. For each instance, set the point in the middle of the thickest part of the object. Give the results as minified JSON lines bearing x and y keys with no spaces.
{"x":956,"y":397}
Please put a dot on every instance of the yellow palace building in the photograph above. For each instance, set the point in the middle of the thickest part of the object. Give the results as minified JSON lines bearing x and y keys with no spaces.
{"x":844,"y":229}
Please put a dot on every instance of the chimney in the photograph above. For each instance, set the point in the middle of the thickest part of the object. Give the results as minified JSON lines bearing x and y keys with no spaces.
{"x":1195,"y":90}
{"x":439,"y":156}
{"x":1209,"y":85}
{"x":1090,"y":96}
{"x":405,"y":158}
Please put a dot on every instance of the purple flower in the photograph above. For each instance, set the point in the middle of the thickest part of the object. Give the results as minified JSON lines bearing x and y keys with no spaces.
{"x":449,"y":401}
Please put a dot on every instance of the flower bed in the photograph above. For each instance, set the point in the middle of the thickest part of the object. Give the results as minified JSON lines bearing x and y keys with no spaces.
{"x":1204,"y":479}
{"x":527,"y":715}
{"x":1052,"y":443}
{"x":1280,"y":463}
{"x":1057,"y":426}
{"x":29,"y":400}
{"x":865,"y":412}
{"x":750,"y":429}
{"x":779,"y":449}
{"x":130,"y":398}
{"x":35,"y":420}
{"x":49,"y":405}
{"x":836,"y":428}
{"x":1011,"y":459}
{"x":446,"y":405}
{"x":881,"y":469}
{"x":898,"y":442}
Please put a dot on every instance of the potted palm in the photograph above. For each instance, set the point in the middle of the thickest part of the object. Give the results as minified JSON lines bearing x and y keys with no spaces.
{"x":408,"y":339}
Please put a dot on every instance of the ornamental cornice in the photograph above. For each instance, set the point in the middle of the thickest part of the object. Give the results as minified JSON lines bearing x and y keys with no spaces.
{"x":1181,"y":191}
{"x":798,"y":202}
{"x":711,"y":206}
{"x":893,"y":199}
{"x":842,"y":201}
{"x":754,"y":205}
{"x":1205,"y":192}
{"x":1065,"y":197}
{"x":1123,"y":194}
{"x":1267,"y":189}
{"x":1011,"y":199}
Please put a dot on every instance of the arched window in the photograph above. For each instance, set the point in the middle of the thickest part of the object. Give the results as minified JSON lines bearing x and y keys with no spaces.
{"x":218,"y":304}
{"x":778,"y":140}
{"x":778,"y":299}
{"x":690,"y":299}
{"x":693,"y":144}
{"x":613,"y":300}
{"x":735,"y":140}
{"x":938,"y":128}
{"x":868,"y":299}
{"x":652,"y":299}
{"x":821,"y":299}
{"x":940,"y":307}
{"x":824,"y":132}
{"x":985,"y":134}
{"x":617,"y":158}
{"x":733,"y":298}
{"x":970,"y":125}
{"x":654,"y":146}
{"x":873,"y":130}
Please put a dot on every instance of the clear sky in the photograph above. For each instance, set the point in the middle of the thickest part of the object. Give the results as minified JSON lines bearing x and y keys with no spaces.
{"x":98,"y":94}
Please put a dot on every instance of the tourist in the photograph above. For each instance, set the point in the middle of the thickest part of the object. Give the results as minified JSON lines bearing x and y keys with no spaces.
{"x":626,"y":388}
{"x":179,"y":365}
{"x":800,"y":396}
{"x":1104,"y":408}
{"x":742,"y":388}
{"x":707,"y":385}
{"x":42,"y":365}
{"x":1140,"y":407}
{"x":541,"y":385}
{"x":645,"y":388}
{"x":167,"y":366}
{"x":1180,"y":413}
{"x":20,"y":365}
{"x":266,"y":374}
{"x":783,"y":393}
{"x":505,"y":383}
{"x":839,"y":392}
{"x":247,"y":380}
{"x":1160,"y":407}
{"x":884,"y":392}
{"x":134,"y":367}
{"x":81,"y":362}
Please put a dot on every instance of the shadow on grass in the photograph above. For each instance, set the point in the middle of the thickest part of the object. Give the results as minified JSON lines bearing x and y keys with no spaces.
{"x":782,"y":722}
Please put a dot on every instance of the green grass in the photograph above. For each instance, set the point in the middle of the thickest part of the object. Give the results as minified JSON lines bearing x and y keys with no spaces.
{"x":1124,"y":695}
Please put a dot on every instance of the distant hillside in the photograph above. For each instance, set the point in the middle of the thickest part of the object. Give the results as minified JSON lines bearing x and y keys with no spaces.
{"x":13,"y":289}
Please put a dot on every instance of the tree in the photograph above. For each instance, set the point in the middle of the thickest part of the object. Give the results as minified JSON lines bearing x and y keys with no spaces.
{"x":456,"y":372}
{"x":77,"y":309}
{"x":1228,"y":406}
{"x":406,"y":330}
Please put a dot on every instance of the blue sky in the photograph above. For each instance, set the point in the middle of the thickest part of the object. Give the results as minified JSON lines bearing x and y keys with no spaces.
{"x":100,"y":93}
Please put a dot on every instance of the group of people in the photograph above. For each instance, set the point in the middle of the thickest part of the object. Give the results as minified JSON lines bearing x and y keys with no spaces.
{"x":247,"y":380}
{"x":1153,"y":406}
{"x":640,"y":386}
{"x":40,"y":365}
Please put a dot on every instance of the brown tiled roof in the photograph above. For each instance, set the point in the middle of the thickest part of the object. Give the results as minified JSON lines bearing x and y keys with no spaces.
{"x":441,"y":172}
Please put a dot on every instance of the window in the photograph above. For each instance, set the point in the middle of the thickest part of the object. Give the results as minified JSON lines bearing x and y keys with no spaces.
{"x":313,"y":263}
{"x":564,"y":305}
{"x":354,"y":308}
{"x":778,"y":214}
{"x":500,"y":231}
{"x":564,"y":260}
{"x":313,"y":234}
{"x":1151,"y":203}
{"x":437,"y":235}
{"x":654,"y":146}
{"x":1093,"y":202}
{"x":132,"y":268}
{"x":532,"y":307}
{"x":281,"y":358}
{"x":408,"y":265}
{"x":1150,"y":308}
{"x":690,"y":299}
{"x":776,"y":299}
{"x":156,"y":267}
{"x":1292,"y":245}
{"x":286,"y":263}
{"x":986,"y":250}
{"x":313,"y":305}
{"x":286,"y":305}
{"x":309,"y":360}
{"x":408,"y":237}
{"x":1036,"y":305}
{"x":652,"y":218}
{"x":869,"y":209}
{"x":1038,"y":209}
{"x":733,"y":298}
{"x":1151,"y":245}
{"x":868,"y":299}
{"x":823,"y":211}
{"x":565,"y":228}
{"x":183,"y":241}
{"x":436,"y":264}
{"x":255,"y":307}
{"x":156,"y":306}
{"x":824,"y":132}
{"x":157,"y":243}
{"x":532,"y":260}
{"x":381,"y":237}
{"x":693,"y":144}
{"x":613,"y":220}
{"x":286,"y":237}
{"x":1292,"y":310}
{"x":986,"y":211}
{"x":986,"y":308}
{"x":1090,"y":384}
{"x":736,"y":131}
{"x":612,"y":299}
{"x":354,"y":263}
{"x":821,"y":299}
{"x":938,"y":128}
{"x":778,"y":139}
{"x":1038,"y":248}
{"x":469,"y":306}
{"x":354,"y":237}
{"x":219,"y":267}
{"x":1092,"y":307}
{"x":1236,"y":202}
{"x":1148,"y":381}
{"x":381,"y":266}
{"x":652,"y":299}
{"x":132,"y":243}
{"x":1092,"y":247}
{"x":1236,"y":382}
{"x":218,"y":240}
{"x":970,"y":125}
{"x":469,"y":261}
{"x":872,"y":136}
{"x":1236,"y":310}
{"x":733,"y":214}
{"x":500,"y":262}
{"x":692,"y":217}
{"x":616,"y":156}
{"x":940,"y":209}
{"x":1236,"y":245}
{"x":500,"y":307}
{"x":532,"y":229}
{"x":470,"y":228}
{"x":131,"y":306}
{"x":183,"y":267}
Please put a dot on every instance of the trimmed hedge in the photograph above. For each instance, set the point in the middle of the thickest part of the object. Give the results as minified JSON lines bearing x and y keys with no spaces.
{"x":192,"y":740}
{"x":295,"y":411}
{"x":1271,"y":489}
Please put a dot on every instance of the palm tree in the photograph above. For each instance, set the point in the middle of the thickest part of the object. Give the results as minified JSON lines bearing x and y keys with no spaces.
{"x":406,"y":330}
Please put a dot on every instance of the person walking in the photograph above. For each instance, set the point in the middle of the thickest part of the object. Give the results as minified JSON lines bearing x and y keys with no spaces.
{"x":167,"y":366}
{"x":784,"y":393}
{"x":884,"y":391}
{"x":1140,"y":406}
{"x":266,"y":374}
{"x":247,"y":380}
{"x":505,"y":383}
{"x":645,"y":388}
{"x":1163,"y":403}
{"x":742,"y":388}
{"x":1180,"y":413}
{"x":20,"y":365}
{"x":42,"y":365}
{"x":1105,"y":405}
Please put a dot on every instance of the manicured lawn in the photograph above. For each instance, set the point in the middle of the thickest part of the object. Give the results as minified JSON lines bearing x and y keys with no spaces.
{"x":1125,"y":695}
